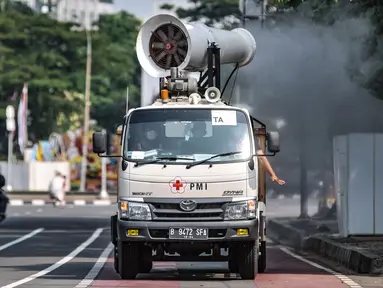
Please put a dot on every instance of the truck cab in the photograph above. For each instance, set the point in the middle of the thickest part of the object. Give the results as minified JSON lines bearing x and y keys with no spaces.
{"x":187,"y":187}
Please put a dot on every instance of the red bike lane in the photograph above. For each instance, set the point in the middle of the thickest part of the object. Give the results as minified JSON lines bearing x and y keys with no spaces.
{"x":283,"y":270}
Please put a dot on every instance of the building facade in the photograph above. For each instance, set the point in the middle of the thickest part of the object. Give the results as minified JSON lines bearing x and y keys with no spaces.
{"x":84,"y":12}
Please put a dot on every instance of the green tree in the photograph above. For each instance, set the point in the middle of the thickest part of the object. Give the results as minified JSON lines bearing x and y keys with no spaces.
{"x":224,"y":13}
{"x":42,"y":52}
{"x":115,"y":67}
{"x":50,"y":56}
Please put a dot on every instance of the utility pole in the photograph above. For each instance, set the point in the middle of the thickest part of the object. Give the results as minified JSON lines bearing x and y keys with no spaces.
{"x":304,"y":214}
{"x":85,"y":140}
{"x":3,"y":5}
{"x":104,"y":190}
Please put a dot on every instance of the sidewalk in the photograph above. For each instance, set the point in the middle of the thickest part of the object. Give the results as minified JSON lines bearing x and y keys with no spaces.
{"x":42,"y":198}
{"x":360,"y":254}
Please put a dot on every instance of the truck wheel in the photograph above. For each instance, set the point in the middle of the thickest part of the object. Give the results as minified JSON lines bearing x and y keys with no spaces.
{"x":116,"y":265}
{"x":248,"y":260}
{"x":145,"y":262}
{"x":233,"y":260}
{"x":127,"y":260}
{"x":262,"y":258}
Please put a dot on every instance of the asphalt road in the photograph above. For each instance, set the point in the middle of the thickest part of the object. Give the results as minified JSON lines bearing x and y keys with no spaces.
{"x":69,"y":247}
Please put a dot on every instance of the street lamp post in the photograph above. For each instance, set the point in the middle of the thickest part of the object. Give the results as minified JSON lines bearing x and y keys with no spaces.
{"x":85,"y":140}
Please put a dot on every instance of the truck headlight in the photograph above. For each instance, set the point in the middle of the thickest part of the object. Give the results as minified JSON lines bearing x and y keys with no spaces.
{"x":135,"y":211}
{"x":241,"y":210}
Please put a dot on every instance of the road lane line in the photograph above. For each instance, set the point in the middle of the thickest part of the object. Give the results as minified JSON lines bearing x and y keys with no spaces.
{"x":61,"y":262}
{"x":89,"y":278}
{"x":346,"y":280}
{"x":21,"y":239}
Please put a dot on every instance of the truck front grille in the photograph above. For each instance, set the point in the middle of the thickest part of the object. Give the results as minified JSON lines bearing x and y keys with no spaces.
{"x":172,"y":212}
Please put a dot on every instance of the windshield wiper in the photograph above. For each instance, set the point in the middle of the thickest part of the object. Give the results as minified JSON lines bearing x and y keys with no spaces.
{"x":212,"y":157}
{"x":158,"y":159}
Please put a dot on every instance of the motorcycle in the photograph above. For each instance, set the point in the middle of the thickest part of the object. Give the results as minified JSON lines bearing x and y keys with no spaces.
{"x":4,"y":200}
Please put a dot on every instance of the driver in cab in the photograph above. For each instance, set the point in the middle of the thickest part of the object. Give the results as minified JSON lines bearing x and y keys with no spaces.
{"x":197,"y":143}
{"x":147,"y":141}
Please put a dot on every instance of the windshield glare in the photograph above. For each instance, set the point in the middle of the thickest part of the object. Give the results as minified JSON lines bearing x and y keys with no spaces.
{"x":187,"y":133}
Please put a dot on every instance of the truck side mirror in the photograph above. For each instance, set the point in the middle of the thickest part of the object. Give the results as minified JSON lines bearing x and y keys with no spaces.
{"x":119,"y":130}
{"x":99,"y":142}
{"x":272,"y":140}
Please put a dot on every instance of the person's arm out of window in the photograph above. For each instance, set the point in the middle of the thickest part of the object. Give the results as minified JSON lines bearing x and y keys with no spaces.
{"x":268,"y":168}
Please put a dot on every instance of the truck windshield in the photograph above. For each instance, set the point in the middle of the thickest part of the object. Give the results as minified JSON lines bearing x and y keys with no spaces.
{"x":186,"y":135}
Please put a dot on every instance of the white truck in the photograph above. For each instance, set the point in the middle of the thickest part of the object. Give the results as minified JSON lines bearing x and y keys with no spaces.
{"x":189,"y":184}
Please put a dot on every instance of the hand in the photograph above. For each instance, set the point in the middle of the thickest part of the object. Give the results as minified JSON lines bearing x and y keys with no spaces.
{"x":274,"y":178}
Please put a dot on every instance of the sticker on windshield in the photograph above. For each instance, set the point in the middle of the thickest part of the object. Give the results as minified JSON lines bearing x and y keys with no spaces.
{"x":222,"y":117}
{"x":138,"y":154}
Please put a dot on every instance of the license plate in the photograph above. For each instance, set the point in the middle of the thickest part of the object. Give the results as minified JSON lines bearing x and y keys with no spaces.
{"x":188,"y":233}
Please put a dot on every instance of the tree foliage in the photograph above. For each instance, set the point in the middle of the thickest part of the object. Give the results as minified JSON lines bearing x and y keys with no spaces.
{"x":224,"y":13}
{"x":115,"y":68}
{"x":37,"y":50}
{"x":50,"y":56}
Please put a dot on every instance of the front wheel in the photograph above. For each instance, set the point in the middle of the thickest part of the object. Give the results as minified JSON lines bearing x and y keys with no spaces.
{"x":115,"y":258}
{"x":127,"y":260}
{"x":248,"y":260}
{"x":262,"y":257}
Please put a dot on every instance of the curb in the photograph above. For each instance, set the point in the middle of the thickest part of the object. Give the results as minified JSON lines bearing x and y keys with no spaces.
{"x":286,"y":234}
{"x":351,"y":258}
{"x":79,"y":202}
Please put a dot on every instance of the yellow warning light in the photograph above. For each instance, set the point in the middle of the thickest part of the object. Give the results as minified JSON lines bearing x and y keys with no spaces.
{"x":242,"y":232}
{"x":164,"y":94}
{"x":133,"y":232}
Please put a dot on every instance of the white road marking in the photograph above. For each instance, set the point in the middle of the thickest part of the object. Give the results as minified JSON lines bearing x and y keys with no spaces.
{"x":346,"y":280}
{"x":21,"y":239}
{"x":58,"y":264}
{"x":89,"y":278}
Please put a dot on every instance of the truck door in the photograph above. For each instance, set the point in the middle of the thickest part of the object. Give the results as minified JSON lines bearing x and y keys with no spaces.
{"x":259,"y":132}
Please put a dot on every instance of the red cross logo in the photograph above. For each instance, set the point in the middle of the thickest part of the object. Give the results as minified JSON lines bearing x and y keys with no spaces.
{"x":177,"y":185}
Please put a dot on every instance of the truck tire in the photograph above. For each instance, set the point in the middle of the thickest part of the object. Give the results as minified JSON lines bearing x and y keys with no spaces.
{"x":248,"y":260}
{"x":233,"y":260}
{"x":145,"y":260}
{"x":262,"y":258}
{"x":115,"y":259}
{"x":127,"y":260}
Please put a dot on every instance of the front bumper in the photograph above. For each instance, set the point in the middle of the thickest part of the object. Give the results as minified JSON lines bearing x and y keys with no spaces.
{"x":152,"y":231}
